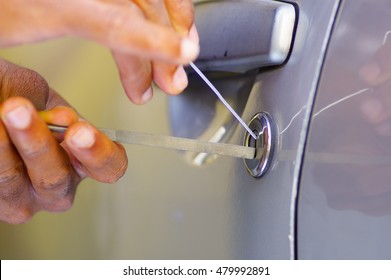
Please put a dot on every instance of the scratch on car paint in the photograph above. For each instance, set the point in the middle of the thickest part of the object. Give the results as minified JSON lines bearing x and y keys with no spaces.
{"x":343,"y":99}
{"x":361,"y":91}
{"x":292,"y":119}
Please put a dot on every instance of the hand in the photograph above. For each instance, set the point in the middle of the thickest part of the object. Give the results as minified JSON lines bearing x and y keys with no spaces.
{"x":37,"y":170}
{"x":148,"y":39}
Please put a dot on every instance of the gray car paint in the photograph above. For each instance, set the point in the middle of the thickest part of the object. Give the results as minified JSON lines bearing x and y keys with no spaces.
{"x":166,"y":208}
{"x":265,"y":208}
{"x":345,"y":201}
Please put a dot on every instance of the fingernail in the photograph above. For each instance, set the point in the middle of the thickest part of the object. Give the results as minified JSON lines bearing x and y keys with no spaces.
{"x":147,"y":95}
{"x":193,"y":34}
{"x":370,"y":72}
{"x":19,"y":118}
{"x":179,"y":79}
{"x":189,"y":49}
{"x":372,"y":109}
{"x":83,"y":138}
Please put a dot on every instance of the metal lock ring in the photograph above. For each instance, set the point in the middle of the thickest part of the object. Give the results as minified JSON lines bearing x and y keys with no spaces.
{"x":263,"y":126}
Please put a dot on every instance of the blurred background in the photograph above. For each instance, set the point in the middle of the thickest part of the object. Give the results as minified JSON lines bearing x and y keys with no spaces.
{"x":154,"y":211}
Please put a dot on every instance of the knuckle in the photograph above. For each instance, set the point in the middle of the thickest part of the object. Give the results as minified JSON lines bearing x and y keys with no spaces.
{"x":33,"y":149}
{"x":24,"y":215}
{"x":11,"y":194}
{"x":61,"y":204}
{"x":114,"y":26}
{"x":117,"y":22}
{"x":11,"y":188}
{"x":35,"y":79}
{"x":59,"y":182}
{"x":56,"y":193}
{"x":19,"y":81}
{"x":19,"y":216}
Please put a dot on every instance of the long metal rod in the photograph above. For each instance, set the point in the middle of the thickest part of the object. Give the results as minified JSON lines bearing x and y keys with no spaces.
{"x":154,"y":140}
{"x":162,"y":141}
{"x":212,"y":87}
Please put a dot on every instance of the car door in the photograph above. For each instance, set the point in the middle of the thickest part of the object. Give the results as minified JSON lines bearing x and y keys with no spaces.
{"x":344,"y":203}
{"x":166,"y":207}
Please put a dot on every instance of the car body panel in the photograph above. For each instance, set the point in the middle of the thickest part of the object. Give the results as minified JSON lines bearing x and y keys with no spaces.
{"x":345,"y":203}
{"x":164,"y":207}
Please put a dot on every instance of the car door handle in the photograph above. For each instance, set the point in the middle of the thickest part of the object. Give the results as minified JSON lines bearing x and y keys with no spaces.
{"x":237,"y":37}
{"x":240,"y":35}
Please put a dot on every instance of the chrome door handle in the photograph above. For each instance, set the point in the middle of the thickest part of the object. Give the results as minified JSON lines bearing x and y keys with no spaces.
{"x":240,"y":35}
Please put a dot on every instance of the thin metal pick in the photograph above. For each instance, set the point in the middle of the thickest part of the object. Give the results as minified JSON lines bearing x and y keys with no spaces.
{"x":212,"y":87}
{"x":170,"y":142}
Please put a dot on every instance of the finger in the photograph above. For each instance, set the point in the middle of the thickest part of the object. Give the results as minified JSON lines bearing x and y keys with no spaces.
{"x":56,"y":100}
{"x":20,"y":81}
{"x":43,"y":18}
{"x":59,"y":112}
{"x":193,"y":34}
{"x":15,"y":197}
{"x":155,"y":11}
{"x":136,"y":77}
{"x":62,"y":116}
{"x":168,"y":77}
{"x":181,"y":14}
{"x":11,"y":169}
{"x":95,"y":154}
{"x":378,"y":70}
{"x":47,"y":164}
{"x":126,"y":30}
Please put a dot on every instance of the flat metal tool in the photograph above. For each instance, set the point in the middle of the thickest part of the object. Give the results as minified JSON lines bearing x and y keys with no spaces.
{"x":162,"y":141}
{"x":226,"y":104}
{"x":177,"y":143}
{"x":184,"y":144}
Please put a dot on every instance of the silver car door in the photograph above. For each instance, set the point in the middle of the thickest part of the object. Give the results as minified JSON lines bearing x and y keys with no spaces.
{"x":345,"y":202}
{"x":166,"y":207}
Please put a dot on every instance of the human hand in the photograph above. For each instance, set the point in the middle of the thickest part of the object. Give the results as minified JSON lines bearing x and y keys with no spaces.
{"x":148,"y":39}
{"x":40,"y":170}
